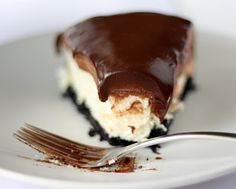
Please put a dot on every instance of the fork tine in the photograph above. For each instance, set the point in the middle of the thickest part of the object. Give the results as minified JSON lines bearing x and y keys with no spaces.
{"x":56,"y":155}
{"x":38,"y":142}
{"x":50,"y":150}
{"x":70,"y":142}
{"x":45,"y":139}
{"x":75,"y":152}
{"x":66,"y":142}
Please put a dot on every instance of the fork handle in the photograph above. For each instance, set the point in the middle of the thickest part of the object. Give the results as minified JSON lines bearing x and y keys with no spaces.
{"x":180,"y":136}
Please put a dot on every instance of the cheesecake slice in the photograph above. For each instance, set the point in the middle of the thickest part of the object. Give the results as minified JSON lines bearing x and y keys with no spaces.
{"x":128,"y":73}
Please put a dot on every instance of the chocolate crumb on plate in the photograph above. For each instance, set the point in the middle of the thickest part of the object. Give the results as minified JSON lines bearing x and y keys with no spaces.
{"x":158,"y":157}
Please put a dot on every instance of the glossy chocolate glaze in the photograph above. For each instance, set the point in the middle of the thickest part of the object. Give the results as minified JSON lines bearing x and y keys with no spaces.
{"x":134,"y":53}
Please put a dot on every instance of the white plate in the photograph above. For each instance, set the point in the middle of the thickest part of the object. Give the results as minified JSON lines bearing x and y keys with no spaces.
{"x":29,"y":93}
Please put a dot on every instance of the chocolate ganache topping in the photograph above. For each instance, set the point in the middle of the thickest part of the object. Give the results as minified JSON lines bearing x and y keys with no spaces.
{"x":135,"y":53}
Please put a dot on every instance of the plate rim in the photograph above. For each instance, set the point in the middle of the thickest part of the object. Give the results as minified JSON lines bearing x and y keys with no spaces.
{"x":173,"y":182}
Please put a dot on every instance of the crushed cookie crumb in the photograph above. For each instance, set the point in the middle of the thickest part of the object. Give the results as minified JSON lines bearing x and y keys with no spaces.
{"x":152,"y":169}
{"x":140,"y":167}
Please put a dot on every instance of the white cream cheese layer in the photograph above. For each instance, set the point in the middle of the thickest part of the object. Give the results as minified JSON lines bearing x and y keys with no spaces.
{"x":129,"y":118}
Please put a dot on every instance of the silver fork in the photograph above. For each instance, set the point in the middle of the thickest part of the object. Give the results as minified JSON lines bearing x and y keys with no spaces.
{"x":86,"y":156}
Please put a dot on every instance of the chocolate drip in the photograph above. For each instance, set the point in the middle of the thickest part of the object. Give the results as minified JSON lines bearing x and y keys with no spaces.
{"x":135,"y":53}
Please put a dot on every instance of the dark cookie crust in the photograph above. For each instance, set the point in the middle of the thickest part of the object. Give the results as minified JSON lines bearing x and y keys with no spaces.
{"x":117,"y":141}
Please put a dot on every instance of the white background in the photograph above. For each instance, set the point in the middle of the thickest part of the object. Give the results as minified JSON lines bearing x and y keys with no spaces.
{"x":23,"y":18}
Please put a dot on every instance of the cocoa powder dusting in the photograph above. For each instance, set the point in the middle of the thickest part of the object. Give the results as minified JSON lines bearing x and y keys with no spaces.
{"x":124,"y":165}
